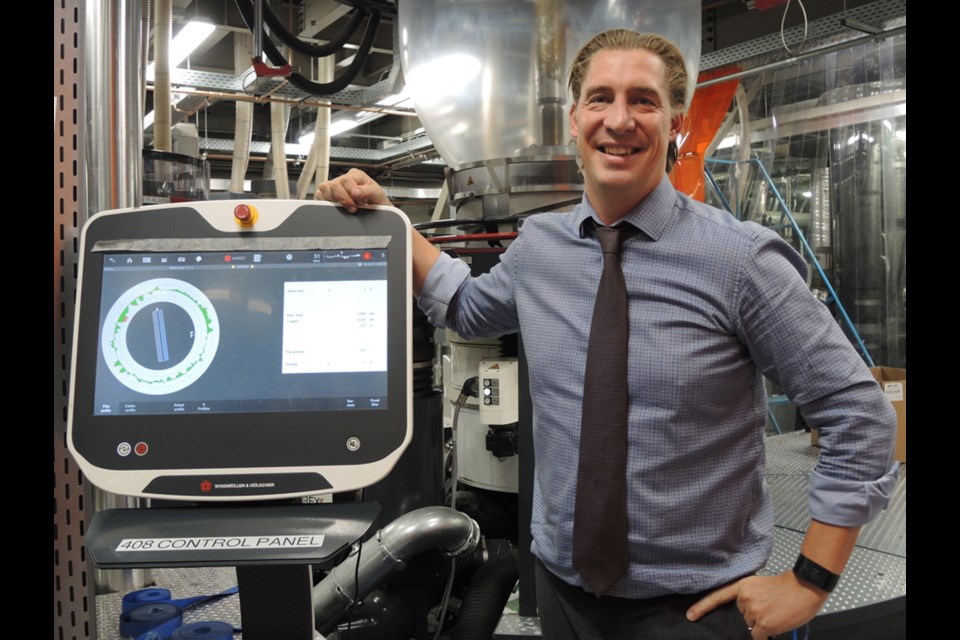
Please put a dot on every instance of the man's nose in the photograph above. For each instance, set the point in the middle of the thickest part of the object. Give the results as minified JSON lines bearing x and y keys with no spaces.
{"x":619,"y":118}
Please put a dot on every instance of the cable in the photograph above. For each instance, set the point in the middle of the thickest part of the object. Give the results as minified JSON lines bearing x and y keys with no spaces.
{"x":446,"y":598}
{"x":470,"y":389}
{"x":300,"y":81}
{"x":314,"y":50}
{"x":783,"y":22}
{"x":356,"y":592}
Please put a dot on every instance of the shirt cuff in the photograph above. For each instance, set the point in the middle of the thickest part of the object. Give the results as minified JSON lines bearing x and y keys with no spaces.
{"x":443,"y":282}
{"x":850,"y":503}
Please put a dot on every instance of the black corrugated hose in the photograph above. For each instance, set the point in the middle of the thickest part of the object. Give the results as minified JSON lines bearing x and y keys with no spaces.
{"x":486,"y":596}
{"x":302,"y":82}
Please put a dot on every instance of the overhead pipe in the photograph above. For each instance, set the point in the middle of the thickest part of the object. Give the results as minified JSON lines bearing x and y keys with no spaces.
{"x":163,"y":26}
{"x":551,"y":52}
{"x":278,"y":152}
{"x":317,"y":166}
{"x":452,"y":532}
{"x":243,"y":130}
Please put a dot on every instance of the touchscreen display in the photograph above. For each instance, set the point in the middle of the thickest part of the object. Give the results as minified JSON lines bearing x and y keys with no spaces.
{"x":226,"y":332}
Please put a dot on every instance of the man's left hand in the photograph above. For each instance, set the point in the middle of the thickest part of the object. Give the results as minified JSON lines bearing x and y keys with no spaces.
{"x":769,"y":604}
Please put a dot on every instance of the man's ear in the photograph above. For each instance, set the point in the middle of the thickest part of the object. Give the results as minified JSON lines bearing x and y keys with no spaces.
{"x":676,"y":123}
{"x":574,"y":130}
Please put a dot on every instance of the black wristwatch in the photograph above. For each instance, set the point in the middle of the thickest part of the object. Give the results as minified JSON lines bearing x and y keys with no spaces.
{"x":815,"y":575}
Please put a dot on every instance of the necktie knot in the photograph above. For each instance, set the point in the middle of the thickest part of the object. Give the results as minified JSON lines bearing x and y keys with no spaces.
{"x":611,"y":238}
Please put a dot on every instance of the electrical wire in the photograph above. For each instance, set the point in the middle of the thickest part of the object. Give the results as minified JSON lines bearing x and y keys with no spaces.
{"x":446,"y":598}
{"x":356,"y":591}
{"x":783,"y":21}
{"x":309,"y":49}
{"x":300,"y":81}
{"x":470,"y":389}
{"x":445,"y":601}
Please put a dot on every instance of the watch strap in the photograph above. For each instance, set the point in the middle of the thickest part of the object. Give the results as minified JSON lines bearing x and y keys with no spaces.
{"x":814,"y":574}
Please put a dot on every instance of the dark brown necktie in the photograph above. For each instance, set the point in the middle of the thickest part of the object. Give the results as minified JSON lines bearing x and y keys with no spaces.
{"x":600,"y":516}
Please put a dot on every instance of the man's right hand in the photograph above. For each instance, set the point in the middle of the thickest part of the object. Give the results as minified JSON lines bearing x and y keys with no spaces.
{"x":352,"y":190}
{"x":355,"y":189}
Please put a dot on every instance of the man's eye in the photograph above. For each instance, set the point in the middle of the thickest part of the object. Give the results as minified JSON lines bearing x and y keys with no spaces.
{"x":597,"y":99}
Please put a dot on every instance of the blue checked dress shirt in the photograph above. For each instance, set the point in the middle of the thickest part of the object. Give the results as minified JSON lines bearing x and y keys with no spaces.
{"x":714,"y":305}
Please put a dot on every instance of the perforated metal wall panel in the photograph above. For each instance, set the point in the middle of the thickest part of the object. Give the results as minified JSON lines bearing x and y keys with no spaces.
{"x":73,"y":597}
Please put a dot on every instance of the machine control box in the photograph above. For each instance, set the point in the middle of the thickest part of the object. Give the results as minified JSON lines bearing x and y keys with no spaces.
{"x":232,"y":351}
{"x":499,"y":391}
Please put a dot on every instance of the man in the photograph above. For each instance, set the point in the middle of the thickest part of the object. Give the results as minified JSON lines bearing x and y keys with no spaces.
{"x":713,"y":305}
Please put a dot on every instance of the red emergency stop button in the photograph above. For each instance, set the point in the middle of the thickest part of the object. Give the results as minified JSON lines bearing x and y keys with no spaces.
{"x":245,"y":214}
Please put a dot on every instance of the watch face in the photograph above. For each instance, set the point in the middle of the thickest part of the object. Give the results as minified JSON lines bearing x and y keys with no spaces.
{"x":815,"y":572}
{"x":817,"y":576}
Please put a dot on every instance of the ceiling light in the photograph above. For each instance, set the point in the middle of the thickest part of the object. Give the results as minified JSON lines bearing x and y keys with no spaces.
{"x":186,"y":42}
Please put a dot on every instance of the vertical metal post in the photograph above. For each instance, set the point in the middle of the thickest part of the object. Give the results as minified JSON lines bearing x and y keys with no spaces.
{"x":112,"y":170}
{"x":551,"y":52}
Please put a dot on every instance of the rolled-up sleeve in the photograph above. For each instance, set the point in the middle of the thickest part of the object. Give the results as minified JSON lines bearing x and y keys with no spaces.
{"x":474,"y":307}
{"x":444,"y":281}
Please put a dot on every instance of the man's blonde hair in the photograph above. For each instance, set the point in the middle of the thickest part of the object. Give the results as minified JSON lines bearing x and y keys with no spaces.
{"x":674,"y":69}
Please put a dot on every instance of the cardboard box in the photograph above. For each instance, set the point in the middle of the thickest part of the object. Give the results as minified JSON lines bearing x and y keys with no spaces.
{"x":893,"y":381}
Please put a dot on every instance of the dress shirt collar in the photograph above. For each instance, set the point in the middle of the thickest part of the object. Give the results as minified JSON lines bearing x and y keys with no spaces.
{"x":650,"y":215}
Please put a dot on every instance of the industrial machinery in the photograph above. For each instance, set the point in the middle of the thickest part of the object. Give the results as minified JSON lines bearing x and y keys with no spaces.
{"x":229,"y":352}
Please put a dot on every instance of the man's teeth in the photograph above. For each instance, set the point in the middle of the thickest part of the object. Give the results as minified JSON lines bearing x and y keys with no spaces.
{"x":618,"y":151}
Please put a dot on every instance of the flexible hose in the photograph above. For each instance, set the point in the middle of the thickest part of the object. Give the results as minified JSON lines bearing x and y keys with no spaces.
{"x":278,"y":134}
{"x":486,"y":596}
{"x":317,"y":166}
{"x":243,"y":129}
{"x":163,"y":25}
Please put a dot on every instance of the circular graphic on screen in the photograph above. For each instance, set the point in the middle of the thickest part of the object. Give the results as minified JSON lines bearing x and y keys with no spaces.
{"x":160,"y":336}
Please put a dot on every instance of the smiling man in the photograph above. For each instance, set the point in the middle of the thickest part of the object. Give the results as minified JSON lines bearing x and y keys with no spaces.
{"x":646,"y":357}
{"x":624,"y":122}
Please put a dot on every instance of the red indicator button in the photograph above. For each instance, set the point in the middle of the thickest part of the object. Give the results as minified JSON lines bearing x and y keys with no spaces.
{"x":141,"y":448}
{"x":227,"y":258}
{"x":245,"y":215}
{"x":367,"y":255}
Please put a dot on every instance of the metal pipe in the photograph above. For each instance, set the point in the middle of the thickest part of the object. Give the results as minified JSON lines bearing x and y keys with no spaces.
{"x":472,"y":237}
{"x":551,"y":53}
{"x":452,"y":532}
{"x":278,"y":133}
{"x":112,"y":167}
{"x":163,"y":26}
